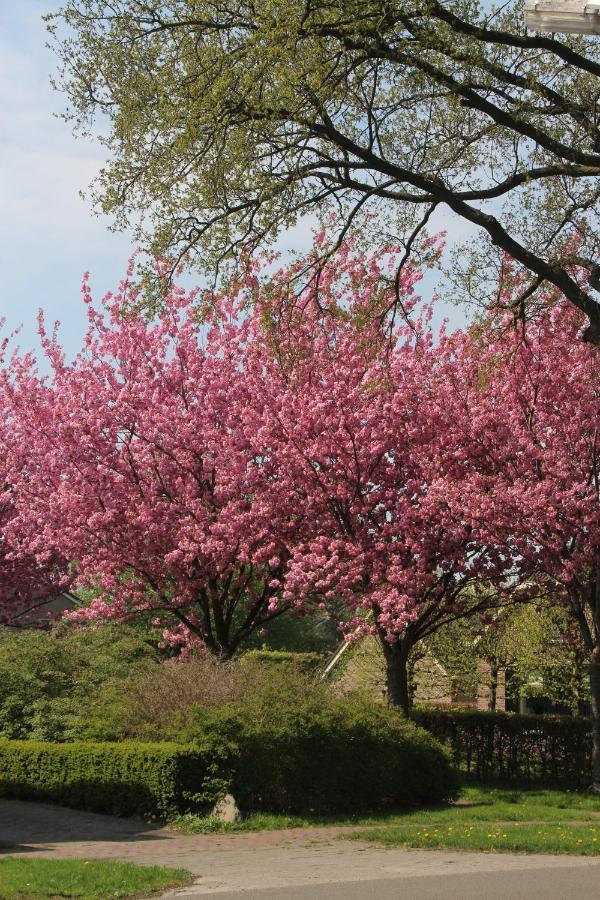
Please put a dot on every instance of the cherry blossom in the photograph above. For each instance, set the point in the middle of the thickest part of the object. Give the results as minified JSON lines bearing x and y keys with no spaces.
{"x":523,"y":420}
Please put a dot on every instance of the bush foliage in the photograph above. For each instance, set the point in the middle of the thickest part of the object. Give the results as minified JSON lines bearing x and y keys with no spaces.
{"x":159,"y":699}
{"x":511,"y":747}
{"x":66,"y":685}
{"x":107,"y":684}
{"x":306,"y":755}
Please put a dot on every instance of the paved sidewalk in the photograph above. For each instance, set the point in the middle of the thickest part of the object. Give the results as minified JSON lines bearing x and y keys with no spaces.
{"x":294,"y":864}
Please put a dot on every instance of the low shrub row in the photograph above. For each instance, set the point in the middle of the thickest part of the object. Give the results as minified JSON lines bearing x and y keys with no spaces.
{"x":123,"y":779}
{"x":304,"y":758}
{"x":510,"y":747}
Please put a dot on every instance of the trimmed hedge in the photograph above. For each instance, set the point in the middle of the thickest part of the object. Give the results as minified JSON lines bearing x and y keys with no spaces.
{"x":301,"y":758}
{"x":313,"y":757}
{"x":512,"y":747}
{"x":122,"y":779}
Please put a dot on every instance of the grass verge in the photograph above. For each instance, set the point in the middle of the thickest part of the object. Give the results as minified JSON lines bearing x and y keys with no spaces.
{"x":476,"y":804}
{"x":514,"y":837}
{"x":25,"y":878}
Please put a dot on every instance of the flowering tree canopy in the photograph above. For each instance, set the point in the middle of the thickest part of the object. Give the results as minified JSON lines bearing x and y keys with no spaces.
{"x":29,"y":574}
{"x":155,"y":464}
{"x":353,"y":421}
{"x":527,"y":425}
{"x":139,"y":470}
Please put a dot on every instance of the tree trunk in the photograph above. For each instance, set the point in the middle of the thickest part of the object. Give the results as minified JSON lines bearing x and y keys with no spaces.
{"x":493,"y":688}
{"x":575,"y":696}
{"x":396,"y":659}
{"x":595,"y":702}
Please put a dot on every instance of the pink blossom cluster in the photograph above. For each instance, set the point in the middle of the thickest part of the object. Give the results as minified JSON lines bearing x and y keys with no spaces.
{"x":30,"y":573}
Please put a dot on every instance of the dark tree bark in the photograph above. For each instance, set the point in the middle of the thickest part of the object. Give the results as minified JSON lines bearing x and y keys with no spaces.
{"x":493,"y":687}
{"x":396,"y":660}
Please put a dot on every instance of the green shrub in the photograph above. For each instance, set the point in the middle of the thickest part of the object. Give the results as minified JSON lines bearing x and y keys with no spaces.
{"x":296,"y":756}
{"x":507,"y":746}
{"x":278,"y":660}
{"x":159,"y":699}
{"x":123,"y":779}
{"x":65,"y":685}
{"x":306,"y":755}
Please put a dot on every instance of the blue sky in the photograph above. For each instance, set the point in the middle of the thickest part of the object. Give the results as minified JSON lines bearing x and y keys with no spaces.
{"x":48,"y":234}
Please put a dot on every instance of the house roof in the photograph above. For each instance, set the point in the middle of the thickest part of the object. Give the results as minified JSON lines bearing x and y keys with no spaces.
{"x":36,"y":613}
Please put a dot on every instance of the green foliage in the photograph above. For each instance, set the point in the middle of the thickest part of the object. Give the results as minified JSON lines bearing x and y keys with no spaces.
{"x":302,"y":753}
{"x":64,"y":685}
{"x":280,"y":753}
{"x":25,"y":879}
{"x":495,"y":745}
{"x":534,"y":643}
{"x":124,"y":779}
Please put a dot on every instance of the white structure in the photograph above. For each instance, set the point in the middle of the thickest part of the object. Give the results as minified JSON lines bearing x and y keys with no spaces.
{"x":563,"y":16}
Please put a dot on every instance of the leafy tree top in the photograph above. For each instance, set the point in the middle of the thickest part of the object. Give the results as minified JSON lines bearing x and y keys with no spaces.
{"x":226,"y":121}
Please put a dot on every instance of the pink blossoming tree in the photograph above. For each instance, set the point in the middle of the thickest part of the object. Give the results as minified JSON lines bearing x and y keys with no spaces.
{"x":140,"y":472}
{"x":527,"y":425}
{"x":152,"y":464}
{"x":352,"y":420}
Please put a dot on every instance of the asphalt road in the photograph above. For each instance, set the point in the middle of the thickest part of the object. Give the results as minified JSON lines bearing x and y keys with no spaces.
{"x":574,"y":883}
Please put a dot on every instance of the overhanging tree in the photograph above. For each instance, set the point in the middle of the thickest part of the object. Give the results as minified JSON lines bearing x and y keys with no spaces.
{"x":226,"y":121}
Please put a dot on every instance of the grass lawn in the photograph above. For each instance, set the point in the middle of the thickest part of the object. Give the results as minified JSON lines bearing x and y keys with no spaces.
{"x":499,"y":819}
{"x":22,"y":878}
{"x":512,"y":837}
